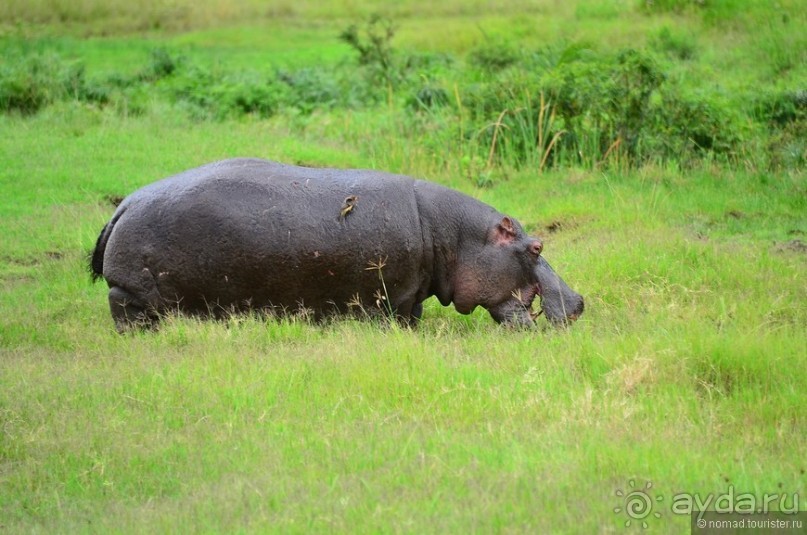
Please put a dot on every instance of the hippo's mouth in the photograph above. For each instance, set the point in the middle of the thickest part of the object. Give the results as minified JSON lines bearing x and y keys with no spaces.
{"x":534,"y":295}
{"x":525,"y":298}
{"x":556,"y":302}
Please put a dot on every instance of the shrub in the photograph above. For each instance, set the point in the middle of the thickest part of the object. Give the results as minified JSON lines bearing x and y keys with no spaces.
{"x":77,"y":86}
{"x":248,"y":93}
{"x":309,"y":89}
{"x":428,"y":63}
{"x":688,"y":125}
{"x":95,"y":92}
{"x":428,"y":96}
{"x":604,"y":101}
{"x":373,"y":43}
{"x":563,"y":104}
{"x":193,"y":88}
{"x":677,"y":45}
{"x":493,"y":56}
{"x":161,"y":65}
{"x":586,"y":108}
{"x":633,"y":80}
{"x":787,"y":148}
{"x":785,"y":115}
{"x":217,"y":96}
{"x":551,"y":57}
{"x":779,"y":109}
{"x":30,"y":82}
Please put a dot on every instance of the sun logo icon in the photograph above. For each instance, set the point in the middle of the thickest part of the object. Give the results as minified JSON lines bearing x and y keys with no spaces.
{"x":638,"y":503}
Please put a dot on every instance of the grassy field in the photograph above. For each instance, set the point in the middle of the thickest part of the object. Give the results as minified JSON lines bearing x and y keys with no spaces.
{"x":687,"y":370}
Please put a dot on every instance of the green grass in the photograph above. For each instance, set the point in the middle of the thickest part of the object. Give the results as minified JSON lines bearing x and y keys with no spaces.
{"x":688,"y":368}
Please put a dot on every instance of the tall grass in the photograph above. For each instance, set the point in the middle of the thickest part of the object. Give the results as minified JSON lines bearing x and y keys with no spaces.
{"x":121,"y":16}
{"x":565,"y":103}
{"x":687,"y":368}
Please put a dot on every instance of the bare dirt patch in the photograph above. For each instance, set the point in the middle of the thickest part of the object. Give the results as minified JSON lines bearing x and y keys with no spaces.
{"x":791,"y":246}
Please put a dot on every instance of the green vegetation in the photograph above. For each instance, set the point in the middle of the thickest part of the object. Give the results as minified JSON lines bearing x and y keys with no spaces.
{"x":563,"y":103}
{"x":657,"y":147}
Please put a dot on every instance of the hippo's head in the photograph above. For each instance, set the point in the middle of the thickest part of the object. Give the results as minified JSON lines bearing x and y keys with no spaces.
{"x":559,"y":303}
{"x":499,"y":267}
{"x":491,"y":269}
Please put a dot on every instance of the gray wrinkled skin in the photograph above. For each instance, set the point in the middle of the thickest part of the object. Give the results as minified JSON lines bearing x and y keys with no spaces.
{"x":559,"y":303}
{"x":249,"y":234}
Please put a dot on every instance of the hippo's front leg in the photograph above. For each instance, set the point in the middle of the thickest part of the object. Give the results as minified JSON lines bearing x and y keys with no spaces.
{"x":406,"y":313}
{"x":417,"y":311}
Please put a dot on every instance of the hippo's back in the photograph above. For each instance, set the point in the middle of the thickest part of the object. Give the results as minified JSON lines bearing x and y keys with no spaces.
{"x":258,"y":233}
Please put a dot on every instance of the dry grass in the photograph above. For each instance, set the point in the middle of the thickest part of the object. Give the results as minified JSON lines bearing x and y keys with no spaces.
{"x":688,"y":368}
{"x":124,"y":16}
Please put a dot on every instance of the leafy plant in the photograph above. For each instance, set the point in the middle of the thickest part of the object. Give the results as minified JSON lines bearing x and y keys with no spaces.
{"x":603,"y":100}
{"x":785,"y":115}
{"x":692,"y":124}
{"x":29,"y":83}
{"x":675,"y":44}
{"x":309,"y":89}
{"x":161,"y":65}
{"x":781,"y":108}
{"x":215,"y":95}
{"x":373,"y":43}
{"x":493,"y":56}
{"x":428,"y":96}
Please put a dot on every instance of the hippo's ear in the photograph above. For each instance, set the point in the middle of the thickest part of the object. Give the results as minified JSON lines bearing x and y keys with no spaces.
{"x":505,"y":231}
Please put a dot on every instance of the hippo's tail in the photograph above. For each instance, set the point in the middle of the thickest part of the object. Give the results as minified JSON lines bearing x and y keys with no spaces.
{"x":96,"y":257}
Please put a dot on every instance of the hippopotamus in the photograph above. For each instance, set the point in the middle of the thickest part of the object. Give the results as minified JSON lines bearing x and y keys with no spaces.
{"x":248,"y":234}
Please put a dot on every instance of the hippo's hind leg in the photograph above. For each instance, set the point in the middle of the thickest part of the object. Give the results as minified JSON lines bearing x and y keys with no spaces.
{"x":129,"y":312}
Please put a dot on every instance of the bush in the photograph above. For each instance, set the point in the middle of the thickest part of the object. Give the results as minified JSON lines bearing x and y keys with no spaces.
{"x":493,"y":56}
{"x":604,"y":101}
{"x":787,"y":148}
{"x":428,"y":63}
{"x":689,"y":125}
{"x":563,"y":104}
{"x":310,"y":89}
{"x":221,"y":96}
{"x":161,"y":65}
{"x":28,"y":83}
{"x":632,"y":82}
{"x":785,"y":115}
{"x":428,"y":96}
{"x":587,"y":107}
{"x":373,"y":43}
{"x":248,"y":93}
{"x":780,"y":109}
{"x":31,"y":82}
{"x":677,"y":45}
